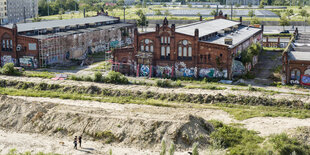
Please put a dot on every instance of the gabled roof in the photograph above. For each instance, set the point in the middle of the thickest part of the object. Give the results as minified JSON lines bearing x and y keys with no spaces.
{"x":206,"y":27}
{"x":23,"y":27}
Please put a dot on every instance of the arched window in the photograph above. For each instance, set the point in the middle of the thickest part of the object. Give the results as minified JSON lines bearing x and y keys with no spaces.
{"x":165,"y":46}
{"x":146,"y":45}
{"x":295,"y":74}
{"x":162,"y":51}
{"x":7,"y":43}
{"x":185,"y":51}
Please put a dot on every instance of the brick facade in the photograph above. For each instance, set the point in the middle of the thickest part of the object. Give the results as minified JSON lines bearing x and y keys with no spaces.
{"x":15,"y":48}
{"x":166,"y":52}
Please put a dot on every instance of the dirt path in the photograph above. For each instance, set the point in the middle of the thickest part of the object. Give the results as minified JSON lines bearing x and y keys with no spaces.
{"x":264,"y":125}
{"x":34,"y":143}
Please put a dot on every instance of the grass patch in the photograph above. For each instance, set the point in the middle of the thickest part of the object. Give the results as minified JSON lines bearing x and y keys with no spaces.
{"x":242,"y":112}
{"x":209,"y":87}
{"x":46,"y":75}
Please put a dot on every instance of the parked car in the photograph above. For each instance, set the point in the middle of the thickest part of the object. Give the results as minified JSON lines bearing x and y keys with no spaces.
{"x":285,"y":31}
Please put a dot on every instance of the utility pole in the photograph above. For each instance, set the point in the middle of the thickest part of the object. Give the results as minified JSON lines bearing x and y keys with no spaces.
{"x":231,"y":8}
{"x":124,"y":13}
{"x":48,"y":8}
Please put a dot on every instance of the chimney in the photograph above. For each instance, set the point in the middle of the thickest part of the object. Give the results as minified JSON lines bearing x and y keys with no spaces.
{"x":240,"y":20}
{"x":157,"y":27}
{"x":84,"y":13}
{"x":173,"y":27}
{"x":196,"y":34}
{"x":200,"y":18}
{"x":24,"y":14}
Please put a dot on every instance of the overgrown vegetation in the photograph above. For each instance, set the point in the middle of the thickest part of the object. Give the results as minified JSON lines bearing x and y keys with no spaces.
{"x":242,"y":107}
{"x":242,"y":141}
{"x":8,"y":69}
{"x":112,"y":77}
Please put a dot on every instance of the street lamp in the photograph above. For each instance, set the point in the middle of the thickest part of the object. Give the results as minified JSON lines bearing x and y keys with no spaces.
{"x":124,"y":13}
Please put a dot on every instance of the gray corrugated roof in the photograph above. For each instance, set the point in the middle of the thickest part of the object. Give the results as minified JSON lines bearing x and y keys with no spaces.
{"x":80,"y":31}
{"x":206,"y":27}
{"x":60,"y":23}
{"x":301,"y":56}
{"x":242,"y":35}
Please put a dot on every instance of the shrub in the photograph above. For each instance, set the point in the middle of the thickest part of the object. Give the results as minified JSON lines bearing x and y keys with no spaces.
{"x":8,"y":69}
{"x":116,"y":77}
{"x":285,"y":145}
{"x":164,"y":83}
{"x":98,"y":77}
{"x":230,"y":137}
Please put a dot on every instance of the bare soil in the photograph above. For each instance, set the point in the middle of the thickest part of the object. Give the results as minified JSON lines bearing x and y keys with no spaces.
{"x":39,"y":124}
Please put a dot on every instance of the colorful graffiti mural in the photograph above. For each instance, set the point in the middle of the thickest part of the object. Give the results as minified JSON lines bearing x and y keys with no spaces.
{"x":144,"y":70}
{"x":238,"y":68}
{"x":28,"y":61}
{"x":212,"y":73}
{"x":163,"y":71}
{"x":7,"y":59}
{"x":305,"y":80}
{"x":182,"y":71}
{"x":114,"y":44}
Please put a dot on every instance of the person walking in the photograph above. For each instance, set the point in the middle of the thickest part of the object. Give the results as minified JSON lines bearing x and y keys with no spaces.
{"x":80,"y":141}
{"x":75,"y":142}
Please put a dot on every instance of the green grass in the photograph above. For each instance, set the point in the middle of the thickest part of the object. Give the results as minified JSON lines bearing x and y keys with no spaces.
{"x":242,"y":112}
{"x":46,"y":75}
{"x":79,"y":96}
{"x":106,"y":65}
{"x":208,"y":87}
{"x":273,"y":49}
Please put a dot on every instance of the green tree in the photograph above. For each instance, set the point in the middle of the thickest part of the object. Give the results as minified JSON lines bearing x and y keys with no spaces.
{"x":167,"y":13}
{"x":303,"y":13}
{"x":195,"y":149}
{"x":142,"y":21}
{"x":250,"y":5}
{"x":251,"y":13}
{"x":284,"y":21}
{"x":190,"y":5}
{"x":213,"y":13}
{"x":255,"y":21}
{"x":158,"y":13}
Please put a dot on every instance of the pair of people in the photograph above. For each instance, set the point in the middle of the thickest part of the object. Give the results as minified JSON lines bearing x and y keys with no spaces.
{"x":76,"y":140}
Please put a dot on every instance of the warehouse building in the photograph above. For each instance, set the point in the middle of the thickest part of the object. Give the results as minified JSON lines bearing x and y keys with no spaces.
{"x":296,"y":61}
{"x":203,"y":49}
{"x":59,"y":42}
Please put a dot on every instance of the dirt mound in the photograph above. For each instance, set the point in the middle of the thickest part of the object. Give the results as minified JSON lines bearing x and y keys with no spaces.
{"x":101,"y":124}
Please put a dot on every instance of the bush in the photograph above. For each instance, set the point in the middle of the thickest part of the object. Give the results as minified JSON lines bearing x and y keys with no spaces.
{"x":98,"y":77}
{"x":285,"y":145}
{"x":116,"y":77}
{"x":164,"y":83}
{"x":230,"y":137}
{"x":8,"y":69}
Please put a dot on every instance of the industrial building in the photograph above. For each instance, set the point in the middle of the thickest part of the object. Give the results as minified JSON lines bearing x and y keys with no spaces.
{"x":203,"y":49}
{"x":15,"y":11}
{"x":59,"y":42}
{"x":296,"y":61}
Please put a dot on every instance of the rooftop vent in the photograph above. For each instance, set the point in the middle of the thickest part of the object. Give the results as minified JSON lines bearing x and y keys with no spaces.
{"x":228,"y":40}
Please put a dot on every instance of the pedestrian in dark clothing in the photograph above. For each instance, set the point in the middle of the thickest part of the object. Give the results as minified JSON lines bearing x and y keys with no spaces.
{"x":75,"y":142}
{"x":80,"y":141}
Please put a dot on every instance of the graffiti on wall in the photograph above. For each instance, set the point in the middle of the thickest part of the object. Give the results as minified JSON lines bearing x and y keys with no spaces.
{"x":114,"y":44}
{"x":163,"y":71}
{"x":212,"y":73}
{"x":7,"y":59}
{"x":294,"y":82}
{"x":144,"y":70}
{"x":182,"y":71}
{"x":305,"y":80}
{"x":238,"y":68}
{"x":307,"y":72}
{"x":28,"y":61}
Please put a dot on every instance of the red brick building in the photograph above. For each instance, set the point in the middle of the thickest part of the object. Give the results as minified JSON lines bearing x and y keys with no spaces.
{"x":296,"y":61}
{"x":202,"y":49}
{"x":18,"y":49}
{"x":57,"y":42}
